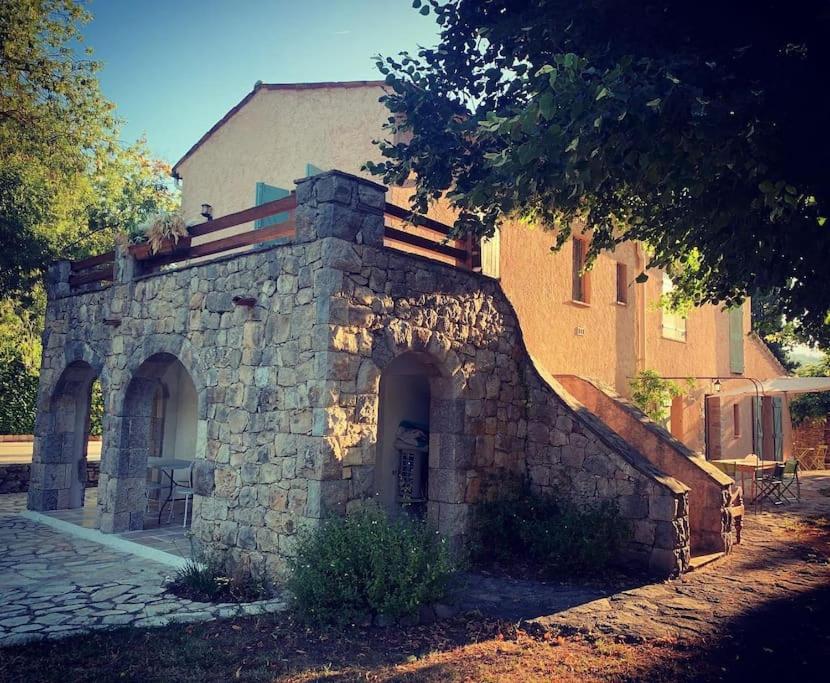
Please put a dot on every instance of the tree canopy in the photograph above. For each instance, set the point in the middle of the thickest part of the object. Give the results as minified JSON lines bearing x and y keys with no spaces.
{"x":63,"y":173}
{"x":698,"y":129}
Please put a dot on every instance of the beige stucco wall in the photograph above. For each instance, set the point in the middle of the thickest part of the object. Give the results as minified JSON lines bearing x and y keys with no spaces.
{"x":274,"y":136}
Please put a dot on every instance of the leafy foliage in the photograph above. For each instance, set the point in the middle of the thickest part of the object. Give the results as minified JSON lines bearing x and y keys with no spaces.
{"x":18,"y":387}
{"x":556,"y":536}
{"x":811,"y":406}
{"x":695,"y":128}
{"x":67,"y":185}
{"x":365,"y":563}
{"x":651,"y":394}
{"x":209,"y":582}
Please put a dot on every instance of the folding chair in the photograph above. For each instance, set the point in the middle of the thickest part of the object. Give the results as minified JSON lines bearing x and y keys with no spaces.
{"x":770,"y":486}
{"x":790,"y":486}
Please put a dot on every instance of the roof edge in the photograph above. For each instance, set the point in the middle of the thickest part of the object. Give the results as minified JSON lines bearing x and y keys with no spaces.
{"x":268,"y":86}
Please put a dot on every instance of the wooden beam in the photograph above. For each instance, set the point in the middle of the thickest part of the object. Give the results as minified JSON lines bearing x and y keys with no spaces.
{"x":92,"y":276}
{"x":424,"y":243}
{"x":254,"y":213}
{"x":92,"y":261}
{"x":415,"y":219}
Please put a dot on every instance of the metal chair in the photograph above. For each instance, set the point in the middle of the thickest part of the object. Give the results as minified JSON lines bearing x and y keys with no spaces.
{"x":182,"y":490}
{"x":779,"y":486}
{"x":789,"y":478}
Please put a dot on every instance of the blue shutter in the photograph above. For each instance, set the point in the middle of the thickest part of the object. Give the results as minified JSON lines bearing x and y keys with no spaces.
{"x":757,"y":426}
{"x":736,"y":339}
{"x":268,"y":193}
{"x":311,"y":169}
{"x":778,"y":427}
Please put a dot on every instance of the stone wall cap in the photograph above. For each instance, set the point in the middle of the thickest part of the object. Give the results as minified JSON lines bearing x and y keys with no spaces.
{"x":350,"y":176}
{"x":609,"y":437}
{"x":658,"y":431}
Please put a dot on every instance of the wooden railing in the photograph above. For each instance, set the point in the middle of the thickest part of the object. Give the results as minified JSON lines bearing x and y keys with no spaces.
{"x":424,"y":236}
{"x":403,"y":231}
{"x":98,"y":268}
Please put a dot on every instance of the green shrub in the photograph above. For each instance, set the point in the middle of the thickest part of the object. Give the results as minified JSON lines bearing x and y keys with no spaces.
{"x":554,"y":536}
{"x":209,"y":582}
{"x":368,"y":563}
{"x":18,"y":387}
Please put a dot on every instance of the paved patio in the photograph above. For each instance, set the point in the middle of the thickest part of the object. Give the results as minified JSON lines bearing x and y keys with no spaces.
{"x":54,"y":584}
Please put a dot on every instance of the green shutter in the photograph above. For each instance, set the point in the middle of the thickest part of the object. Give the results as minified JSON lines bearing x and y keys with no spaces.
{"x":778,"y":427}
{"x":758,"y":426}
{"x":268,"y":193}
{"x":736,"y":339}
{"x":311,"y":169}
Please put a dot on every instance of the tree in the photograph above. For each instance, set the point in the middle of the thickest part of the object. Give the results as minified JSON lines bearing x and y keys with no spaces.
{"x":63,"y":173}
{"x":696,"y":128}
{"x":66,"y":183}
{"x":812,"y":406}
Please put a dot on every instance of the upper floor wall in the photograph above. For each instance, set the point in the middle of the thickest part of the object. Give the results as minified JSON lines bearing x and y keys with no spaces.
{"x":282,"y":132}
{"x":274,"y":135}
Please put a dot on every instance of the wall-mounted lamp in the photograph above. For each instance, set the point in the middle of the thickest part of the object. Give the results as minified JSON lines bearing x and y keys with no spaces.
{"x":717,"y":386}
{"x":207,"y":211}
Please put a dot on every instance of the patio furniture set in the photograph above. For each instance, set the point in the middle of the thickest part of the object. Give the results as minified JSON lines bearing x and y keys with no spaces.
{"x":768,"y":480}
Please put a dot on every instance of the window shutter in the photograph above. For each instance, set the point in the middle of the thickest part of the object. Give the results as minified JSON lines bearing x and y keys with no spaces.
{"x":778,"y":427}
{"x":758,"y":426}
{"x":736,"y":339}
{"x":268,"y":193}
{"x":490,"y":255}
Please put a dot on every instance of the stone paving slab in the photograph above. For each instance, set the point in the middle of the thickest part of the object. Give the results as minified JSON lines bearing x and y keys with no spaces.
{"x":785,"y":554}
{"x":53,"y":585}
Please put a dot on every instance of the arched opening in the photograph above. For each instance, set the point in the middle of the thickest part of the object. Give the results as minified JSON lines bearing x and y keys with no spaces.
{"x":402,"y":457}
{"x":158,"y":442}
{"x":60,"y":458}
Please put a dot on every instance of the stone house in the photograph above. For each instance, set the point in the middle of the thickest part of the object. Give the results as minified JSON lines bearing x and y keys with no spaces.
{"x":282,"y":347}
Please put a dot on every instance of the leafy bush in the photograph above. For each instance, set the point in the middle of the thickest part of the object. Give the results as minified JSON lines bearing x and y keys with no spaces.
{"x":554,"y":536}
{"x":18,"y":387}
{"x":365,"y":563}
{"x":208,"y":582}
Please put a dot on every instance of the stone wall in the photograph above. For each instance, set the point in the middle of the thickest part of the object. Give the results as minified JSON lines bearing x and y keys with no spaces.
{"x":709,"y":495}
{"x":287,"y":389}
{"x":14,"y":477}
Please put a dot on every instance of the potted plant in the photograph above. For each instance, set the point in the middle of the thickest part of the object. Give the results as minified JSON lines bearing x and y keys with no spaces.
{"x":165,"y":235}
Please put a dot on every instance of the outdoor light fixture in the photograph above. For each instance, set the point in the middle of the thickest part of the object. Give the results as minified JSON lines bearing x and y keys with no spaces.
{"x":207,"y":211}
{"x":717,"y":385}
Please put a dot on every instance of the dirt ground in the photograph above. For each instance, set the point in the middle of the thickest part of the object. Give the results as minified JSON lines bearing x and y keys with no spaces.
{"x":760,"y":614}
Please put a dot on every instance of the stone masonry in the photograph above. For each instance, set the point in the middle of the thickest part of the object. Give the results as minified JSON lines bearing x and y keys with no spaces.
{"x":288,"y":389}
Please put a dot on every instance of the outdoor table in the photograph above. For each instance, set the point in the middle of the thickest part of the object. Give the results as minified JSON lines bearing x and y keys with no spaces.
{"x":167,"y":468}
{"x":741,"y":466}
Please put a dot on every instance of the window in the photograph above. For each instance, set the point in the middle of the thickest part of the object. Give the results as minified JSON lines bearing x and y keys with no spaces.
{"x":736,"y":339}
{"x":674,"y":324}
{"x":490,"y":255}
{"x":736,"y":420}
{"x":622,"y":283}
{"x":581,"y":282}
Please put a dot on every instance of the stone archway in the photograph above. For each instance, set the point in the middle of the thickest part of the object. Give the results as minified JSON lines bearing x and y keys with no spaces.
{"x":159,"y":416}
{"x":58,"y":474}
{"x":416,"y":388}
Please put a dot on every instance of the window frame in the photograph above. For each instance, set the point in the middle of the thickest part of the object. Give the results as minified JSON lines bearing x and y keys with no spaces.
{"x":622,"y":283}
{"x":736,"y":420}
{"x":580,"y":284}
{"x":672,"y":325}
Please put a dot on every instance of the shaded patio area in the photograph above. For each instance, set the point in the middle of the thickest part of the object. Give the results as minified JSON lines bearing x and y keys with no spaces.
{"x":164,"y":534}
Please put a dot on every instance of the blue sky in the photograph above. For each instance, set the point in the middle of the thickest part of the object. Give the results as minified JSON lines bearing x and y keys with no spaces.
{"x":174,"y":67}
